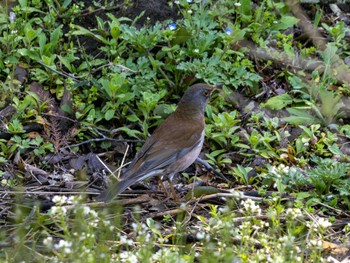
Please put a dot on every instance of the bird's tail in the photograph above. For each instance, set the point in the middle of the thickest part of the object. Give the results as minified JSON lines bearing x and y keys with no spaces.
{"x":113,"y":190}
{"x":127,"y":180}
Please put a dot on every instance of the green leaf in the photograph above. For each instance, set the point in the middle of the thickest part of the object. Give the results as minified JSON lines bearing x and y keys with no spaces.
{"x":334,"y":148}
{"x":181,"y":36}
{"x":67,"y":108}
{"x":79,"y":30}
{"x":285,"y":22}
{"x":130,"y":132}
{"x":278,"y":102}
{"x":55,"y":36}
{"x":300,"y":116}
{"x":302,"y":195}
{"x":246,"y":10}
{"x":66,"y":3}
{"x":237,"y":34}
{"x":109,"y":114}
{"x":216,"y":153}
{"x":132,"y":118}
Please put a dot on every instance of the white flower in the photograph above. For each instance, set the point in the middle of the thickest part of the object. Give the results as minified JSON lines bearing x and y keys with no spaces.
{"x":324,"y":223}
{"x":58,"y":210}
{"x":293,"y":213}
{"x":59,"y":199}
{"x":237,"y":4}
{"x":72,"y":200}
{"x":200,"y":235}
{"x":316,"y":242}
{"x":125,"y":240}
{"x":48,"y":242}
{"x":86,"y":210}
{"x":64,"y":245}
{"x":250,"y":206}
{"x":127,"y":256}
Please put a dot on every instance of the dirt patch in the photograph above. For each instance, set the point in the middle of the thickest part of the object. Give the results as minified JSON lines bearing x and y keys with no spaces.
{"x":154,"y":10}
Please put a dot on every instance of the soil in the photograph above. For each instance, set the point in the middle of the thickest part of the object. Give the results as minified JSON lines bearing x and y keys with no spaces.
{"x":154,"y":10}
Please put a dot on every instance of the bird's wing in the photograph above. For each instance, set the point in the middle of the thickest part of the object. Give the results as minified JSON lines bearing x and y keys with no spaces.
{"x":160,"y":151}
{"x":157,"y":153}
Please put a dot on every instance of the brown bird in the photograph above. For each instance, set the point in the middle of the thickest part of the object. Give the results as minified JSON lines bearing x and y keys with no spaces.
{"x":172,"y":147}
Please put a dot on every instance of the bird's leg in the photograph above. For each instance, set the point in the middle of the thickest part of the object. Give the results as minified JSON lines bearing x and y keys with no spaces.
{"x":175,"y":196}
{"x":160,"y":182}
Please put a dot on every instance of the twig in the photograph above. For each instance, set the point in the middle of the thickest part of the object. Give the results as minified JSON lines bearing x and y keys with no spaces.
{"x":63,"y":192}
{"x":122,"y":163}
{"x":237,"y":195}
{"x":110,"y":64}
{"x":169,"y":212}
{"x":104,"y":165}
{"x":100,"y":140}
{"x":58,"y":72}
{"x":60,"y":117}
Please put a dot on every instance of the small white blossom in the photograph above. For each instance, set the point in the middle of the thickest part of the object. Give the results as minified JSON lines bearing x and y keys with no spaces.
{"x":48,"y":242}
{"x":200,"y":235}
{"x":129,"y":257}
{"x":64,"y":246}
{"x":86,"y":210}
{"x":315,"y":242}
{"x":250,"y":206}
{"x":293,"y":213}
{"x":58,"y":210}
{"x":59,"y":199}
{"x":125,"y":240}
{"x":324,"y":223}
{"x":72,"y":200}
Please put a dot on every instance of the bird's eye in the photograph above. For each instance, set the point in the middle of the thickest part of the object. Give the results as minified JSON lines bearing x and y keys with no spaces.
{"x":206,"y":93}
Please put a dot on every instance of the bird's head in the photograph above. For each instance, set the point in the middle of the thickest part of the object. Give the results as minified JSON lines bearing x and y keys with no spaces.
{"x":195,"y":99}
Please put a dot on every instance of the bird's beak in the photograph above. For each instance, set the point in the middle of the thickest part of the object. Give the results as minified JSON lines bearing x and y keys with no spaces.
{"x":215,"y":87}
{"x":218,"y":85}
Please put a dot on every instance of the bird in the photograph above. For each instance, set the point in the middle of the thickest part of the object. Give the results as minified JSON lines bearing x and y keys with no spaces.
{"x":172,"y":147}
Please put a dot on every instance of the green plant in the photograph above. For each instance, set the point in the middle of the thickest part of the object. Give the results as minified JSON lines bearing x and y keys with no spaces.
{"x":325,"y":112}
{"x":262,"y":143}
{"x":116,"y":90}
{"x":223,"y":129}
{"x":242,"y":174}
{"x":338,"y":32}
{"x":313,"y":140}
{"x":148,"y":103}
{"x":327,"y":174}
{"x":218,"y":158}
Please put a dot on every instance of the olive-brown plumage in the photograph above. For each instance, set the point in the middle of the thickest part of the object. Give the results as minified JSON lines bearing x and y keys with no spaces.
{"x":172,"y":147}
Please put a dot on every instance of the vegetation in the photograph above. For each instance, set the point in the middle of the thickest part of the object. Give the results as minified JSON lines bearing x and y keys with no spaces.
{"x":74,"y":91}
